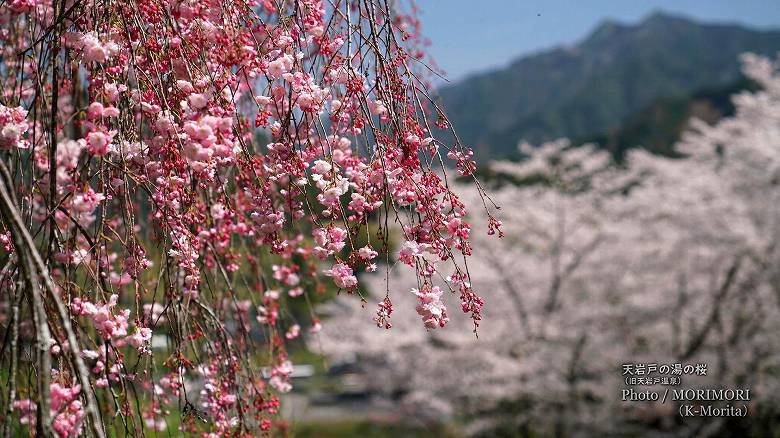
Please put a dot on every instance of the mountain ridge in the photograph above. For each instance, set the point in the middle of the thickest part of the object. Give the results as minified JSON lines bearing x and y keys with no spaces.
{"x":594,"y":85}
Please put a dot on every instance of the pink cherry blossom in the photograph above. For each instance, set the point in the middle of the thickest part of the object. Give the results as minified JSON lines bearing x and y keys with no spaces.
{"x":342,"y":276}
{"x":13,"y":125}
{"x":193,"y":173}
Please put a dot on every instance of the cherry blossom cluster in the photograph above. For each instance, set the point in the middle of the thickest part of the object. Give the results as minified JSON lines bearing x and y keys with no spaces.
{"x":657,"y":259}
{"x":14,"y":125}
{"x":195,"y":175}
{"x":66,"y":410}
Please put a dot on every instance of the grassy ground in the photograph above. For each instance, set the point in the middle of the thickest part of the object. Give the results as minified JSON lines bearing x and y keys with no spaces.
{"x":340,"y":429}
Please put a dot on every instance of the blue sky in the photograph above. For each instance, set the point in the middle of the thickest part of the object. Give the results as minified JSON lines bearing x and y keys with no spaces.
{"x":470,"y":36}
